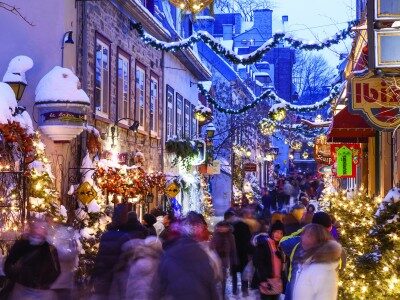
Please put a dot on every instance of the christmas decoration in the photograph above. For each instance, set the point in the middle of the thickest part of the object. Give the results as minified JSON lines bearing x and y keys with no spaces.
{"x":371,"y":270}
{"x":207,"y":207}
{"x":267,"y":127}
{"x":296,"y":144}
{"x":269,"y":94}
{"x":277,"y":112}
{"x":202,"y":113}
{"x":193,"y":6}
{"x":247,"y":59}
{"x":184,"y":151}
{"x":305,"y":155}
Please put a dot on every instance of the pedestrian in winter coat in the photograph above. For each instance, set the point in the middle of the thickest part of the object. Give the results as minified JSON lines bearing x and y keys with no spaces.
{"x":292,"y":247}
{"x":223,"y":243}
{"x":32,"y":265}
{"x":242,"y":234}
{"x":134,"y":227}
{"x":136,"y":269}
{"x":268,"y":258}
{"x":185,"y":270}
{"x":110,"y":250}
{"x":148,"y":221}
{"x":317,"y":274}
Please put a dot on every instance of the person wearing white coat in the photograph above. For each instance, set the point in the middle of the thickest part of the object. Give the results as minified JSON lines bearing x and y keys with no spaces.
{"x":317,"y":277}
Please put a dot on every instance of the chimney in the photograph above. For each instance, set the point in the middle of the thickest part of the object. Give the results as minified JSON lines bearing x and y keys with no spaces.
{"x":263,"y":22}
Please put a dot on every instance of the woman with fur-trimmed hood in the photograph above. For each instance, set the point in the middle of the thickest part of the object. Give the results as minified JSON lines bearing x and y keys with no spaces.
{"x":317,"y":277}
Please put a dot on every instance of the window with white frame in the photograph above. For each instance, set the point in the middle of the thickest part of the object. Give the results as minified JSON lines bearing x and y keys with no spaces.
{"x":153,"y":103}
{"x":140,"y":95}
{"x":123,"y":86}
{"x":179,"y":115}
{"x":102,"y":78}
{"x":187,"y":122}
{"x":194,"y":122}
{"x":170,"y":113}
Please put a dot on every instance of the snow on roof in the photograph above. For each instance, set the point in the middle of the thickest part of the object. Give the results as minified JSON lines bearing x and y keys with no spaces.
{"x":260,"y":74}
{"x":228,"y":44}
{"x":246,"y":26}
{"x":205,"y":18}
{"x":60,"y":84}
{"x":7,"y":103}
{"x":259,"y":83}
{"x":276,"y":107}
{"x":17,"y":68}
{"x":206,"y":84}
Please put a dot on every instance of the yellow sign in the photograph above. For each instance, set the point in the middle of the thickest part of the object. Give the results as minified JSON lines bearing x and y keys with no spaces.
{"x":172,"y":190}
{"x":377,"y":99}
{"x":86,"y":193}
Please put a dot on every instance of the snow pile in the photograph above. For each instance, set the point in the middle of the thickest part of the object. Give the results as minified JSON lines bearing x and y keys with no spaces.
{"x":17,"y":68}
{"x":7,"y":103}
{"x":41,"y":168}
{"x":276,"y":107}
{"x":393,"y":196}
{"x":26,"y":122}
{"x":203,"y":109}
{"x":93,"y":207}
{"x":60,"y":84}
{"x":86,"y":169}
{"x":206,"y":85}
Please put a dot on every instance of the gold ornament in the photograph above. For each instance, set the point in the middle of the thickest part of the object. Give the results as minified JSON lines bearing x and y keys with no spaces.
{"x":305,"y":155}
{"x":296,"y":145}
{"x":278,"y":114}
{"x":267,"y":128}
{"x":194,"y":6}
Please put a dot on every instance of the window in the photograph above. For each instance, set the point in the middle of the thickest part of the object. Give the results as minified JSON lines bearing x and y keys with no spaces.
{"x":187,"y":122}
{"x":140,"y":95}
{"x":102,"y":78}
{"x":123,"y":86}
{"x":153,"y":103}
{"x":170,"y":113}
{"x":194,"y":123}
{"x":179,"y":115}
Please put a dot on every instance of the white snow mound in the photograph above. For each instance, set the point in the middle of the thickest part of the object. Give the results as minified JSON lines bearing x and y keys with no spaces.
{"x":7,"y":103}
{"x":60,"y":84}
{"x":17,"y":68}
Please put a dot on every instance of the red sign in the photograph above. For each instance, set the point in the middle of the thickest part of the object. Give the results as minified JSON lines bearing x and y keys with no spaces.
{"x":250,"y":167}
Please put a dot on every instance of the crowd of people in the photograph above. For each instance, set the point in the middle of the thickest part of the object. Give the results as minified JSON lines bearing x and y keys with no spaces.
{"x":274,"y":252}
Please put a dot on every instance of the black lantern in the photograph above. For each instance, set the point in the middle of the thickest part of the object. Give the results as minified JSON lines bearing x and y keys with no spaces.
{"x":18,"y":88}
{"x":210,"y":130}
{"x":149,"y":198}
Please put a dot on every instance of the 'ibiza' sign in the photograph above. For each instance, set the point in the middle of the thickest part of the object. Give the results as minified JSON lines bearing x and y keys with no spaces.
{"x":377,"y":99}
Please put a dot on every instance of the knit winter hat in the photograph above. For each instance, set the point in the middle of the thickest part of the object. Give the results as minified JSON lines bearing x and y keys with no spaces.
{"x":322,"y":218}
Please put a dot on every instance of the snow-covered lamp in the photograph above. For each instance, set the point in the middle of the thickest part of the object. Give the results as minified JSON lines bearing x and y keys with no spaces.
{"x":62,"y":105}
{"x":210,"y":130}
{"x":15,"y":74}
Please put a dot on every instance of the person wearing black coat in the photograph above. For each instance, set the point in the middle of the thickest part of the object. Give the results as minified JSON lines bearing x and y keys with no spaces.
{"x":185,"y":270}
{"x":123,"y":228}
{"x":242,"y":234}
{"x":148,"y":221}
{"x":32,"y":265}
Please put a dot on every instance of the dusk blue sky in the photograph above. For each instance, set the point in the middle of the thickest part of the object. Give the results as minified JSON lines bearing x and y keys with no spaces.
{"x":320,"y":18}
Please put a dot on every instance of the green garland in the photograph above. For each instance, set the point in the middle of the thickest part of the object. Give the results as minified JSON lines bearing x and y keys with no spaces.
{"x":269,"y":94}
{"x":184,"y":152}
{"x":251,"y":58}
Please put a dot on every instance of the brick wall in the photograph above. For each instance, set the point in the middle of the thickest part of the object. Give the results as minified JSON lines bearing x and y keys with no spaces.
{"x":106,"y":20}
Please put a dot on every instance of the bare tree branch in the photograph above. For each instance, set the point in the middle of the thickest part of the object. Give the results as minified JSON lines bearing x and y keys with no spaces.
{"x":14,"y":10}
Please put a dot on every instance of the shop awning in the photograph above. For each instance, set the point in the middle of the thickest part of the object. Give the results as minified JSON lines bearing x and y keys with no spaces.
{"x":349,"y":128}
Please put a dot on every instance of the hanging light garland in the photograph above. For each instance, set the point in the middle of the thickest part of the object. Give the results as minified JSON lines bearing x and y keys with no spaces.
{"x":247,"y":59}
{"x":269,"y":94}
{"x":194,"y":6}
{"x":296,"y":144}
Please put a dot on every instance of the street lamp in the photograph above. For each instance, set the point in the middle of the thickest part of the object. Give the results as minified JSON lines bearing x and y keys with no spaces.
{"x":134,"y":127}
{"x":67,"y":39}
{"x":210,"y":130}
{"x":18,"y":87}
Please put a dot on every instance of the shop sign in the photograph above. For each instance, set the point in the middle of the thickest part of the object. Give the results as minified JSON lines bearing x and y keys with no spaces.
{"x":322,"y":152}
{"x":172,"y":189}
{"x":345,"y":158}
{"x":86,"y":193}
{"x":213,"y":169}
{"x":64,"y":116}
{"x":250,"y":167}
{"x":377,"y":100}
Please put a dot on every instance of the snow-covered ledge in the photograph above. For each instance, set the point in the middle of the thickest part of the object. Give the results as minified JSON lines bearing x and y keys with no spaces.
{"x":62,"y":105}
